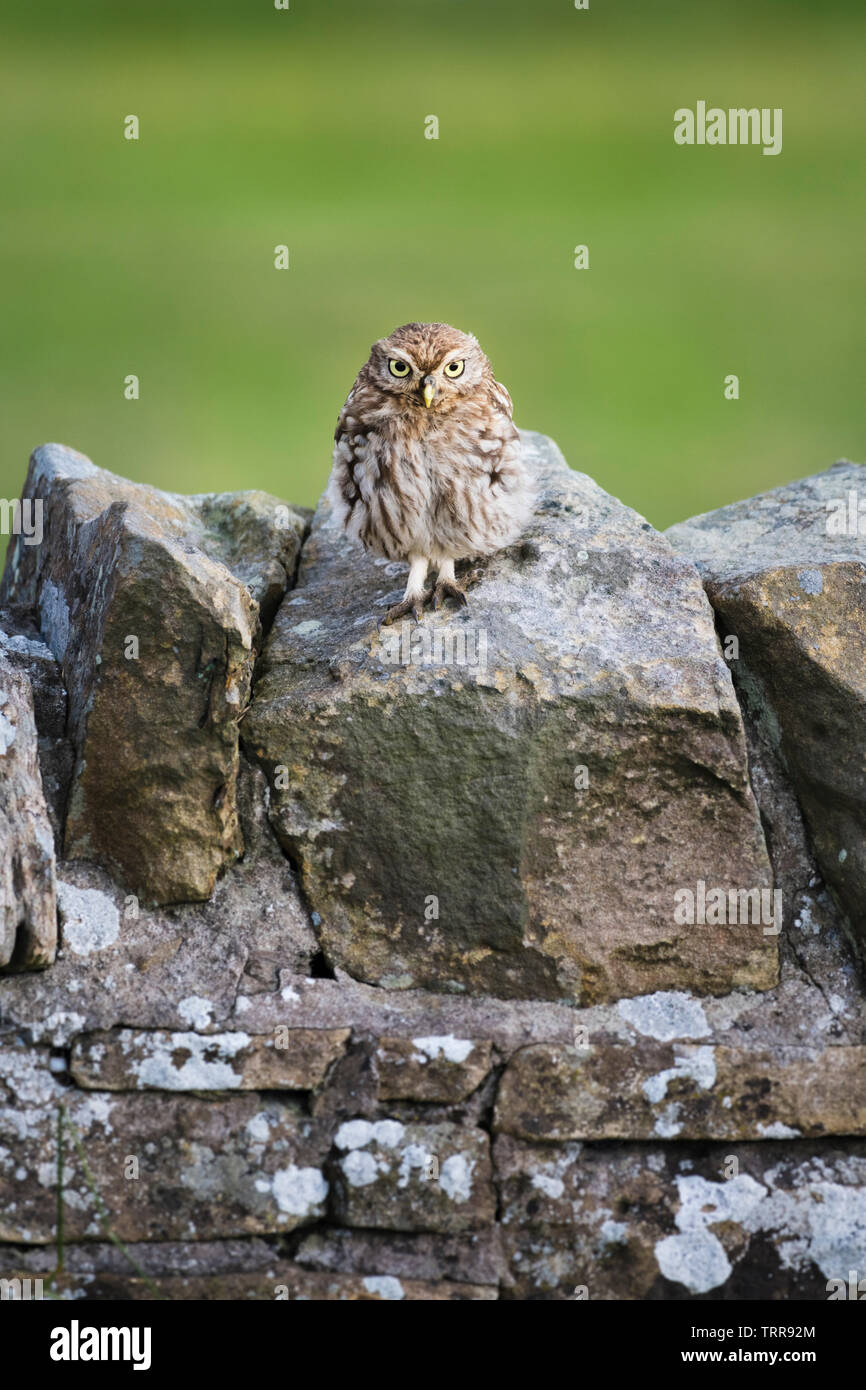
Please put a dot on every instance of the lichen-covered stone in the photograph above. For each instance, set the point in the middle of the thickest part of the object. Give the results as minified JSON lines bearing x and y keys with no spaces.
{"x":435,"y":1068}
{"x":378,"y":1183}
{"x":375,"y":1013}
{"x":128,"y":1059}
{"x":283,"y":1283}
{"x":24,"y":649}
{"x":786,"y":574}
{"x":412,"y":1177}
{"x":246,"y":1255}
{"x":637,"y":1221}
{"x":165,"y":1167}
{"x":805,"y":1009}
{"x":470,"y":1257}
{"x":684,"y":1090}
{"x":28,"y":916}
{"x":150,"y":603}
{"x":513,"y":810}
{"x":172,"y":968}
{"x":417,"y":1259}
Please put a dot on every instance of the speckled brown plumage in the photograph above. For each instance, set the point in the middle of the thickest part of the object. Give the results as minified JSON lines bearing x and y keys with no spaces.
{"x":427,"y":464}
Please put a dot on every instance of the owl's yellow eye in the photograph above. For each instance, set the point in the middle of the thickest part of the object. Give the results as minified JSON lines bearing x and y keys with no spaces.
{"x":398,"y":368}
{"x":455,"y":369}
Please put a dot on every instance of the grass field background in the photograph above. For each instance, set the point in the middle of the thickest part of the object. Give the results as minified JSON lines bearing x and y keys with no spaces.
{"x":306,"y":127}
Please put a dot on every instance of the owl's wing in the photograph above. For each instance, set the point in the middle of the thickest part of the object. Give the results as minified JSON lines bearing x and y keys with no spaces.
{"x":345,"y":485}
{"x":506,"y":482}
{"x":502,"y":398}
{"x":499,"y":441}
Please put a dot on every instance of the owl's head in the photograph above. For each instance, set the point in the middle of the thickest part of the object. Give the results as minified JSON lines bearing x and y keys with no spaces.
{"x":429,"y":366}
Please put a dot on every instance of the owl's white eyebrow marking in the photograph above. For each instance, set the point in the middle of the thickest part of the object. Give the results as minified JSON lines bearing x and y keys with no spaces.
{"x":402,"y":357}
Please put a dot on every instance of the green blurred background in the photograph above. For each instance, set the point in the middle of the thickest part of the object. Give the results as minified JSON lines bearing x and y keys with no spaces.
{"x":306,"y":127}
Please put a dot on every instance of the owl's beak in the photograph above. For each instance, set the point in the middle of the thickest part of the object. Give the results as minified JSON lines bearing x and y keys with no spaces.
{"x":429,"y":391}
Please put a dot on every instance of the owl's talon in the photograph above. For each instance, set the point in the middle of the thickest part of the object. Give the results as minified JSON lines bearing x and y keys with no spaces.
{"x":445,"y":589}
{"x":415,"y":606}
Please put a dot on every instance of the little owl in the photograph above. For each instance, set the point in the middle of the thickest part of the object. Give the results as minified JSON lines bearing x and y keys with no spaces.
{"x":427,"y":465}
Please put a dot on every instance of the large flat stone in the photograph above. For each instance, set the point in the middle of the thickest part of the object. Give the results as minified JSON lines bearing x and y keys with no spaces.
{"x":154,"y":726}
{"x":638,"y":1221}
{"x":686,"y":1090}
{"x":129,"y":1059}
{"x":250,"y":1165}
{"x":469,"y":1257}
{"x":437,"y":1068}
{"x":414,"y":1177}
{"x":786,"y":573}
{"x":285,"y":1282}
{"x":513,"y":810}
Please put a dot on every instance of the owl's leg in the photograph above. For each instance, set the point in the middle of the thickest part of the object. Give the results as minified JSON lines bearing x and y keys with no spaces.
{"x":447,"y":586}
{"x":416,"y":594}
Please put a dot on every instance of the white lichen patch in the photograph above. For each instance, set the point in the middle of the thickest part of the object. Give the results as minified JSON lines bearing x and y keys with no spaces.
{"x":549,"y":1177}
{"x":451,"y":1048}
{"x":804,"y":920}
{"x":94,"y":1110}
{"x":299,"y":1191}
{"x":7,"y":729}
{"x":665,"y":1016}
{"x":668,"y":1126}
{"x":384,"y":1286}
{"x":415,"y":1158}
{"x":810,"y":581}
{"x":58,"y":1028}
{"x":614,"y":1233}
{"x":189,"y":1061}
{"x":89,"y":920}
{"x":821,"y":1223}
{"x":551,"y":1187}
{"x":455,"y":1177}
{"x":258,"y":1129}
{"x":694,"y":1063}
{"x":357,"y":1134}
{"x":696,"y":1257}
{"x":27,"y":1076}
{"x":196,"y":1011}
{"x":777,"y":1130}
{"x":361,"y":1168}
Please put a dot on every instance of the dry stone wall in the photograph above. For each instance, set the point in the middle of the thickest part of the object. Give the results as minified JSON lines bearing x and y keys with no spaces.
{"x":411,"y":973}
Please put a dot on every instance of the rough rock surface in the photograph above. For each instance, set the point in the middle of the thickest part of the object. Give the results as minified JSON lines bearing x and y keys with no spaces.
{"x":24,"y":649}
{"x":254,"y":1129}
{"x":166,"y":1167}
{"x":513,"y":810}
{"x":682,"y":1090}
{"x":129,"y":1059}
{"x":436,"y":1068}
{"x":646,"y":1222}
{"x":28,"y":914}
{"x":470,"y":1257}
{"x":412,"y":1177}
{"x":786,"y":574}
{"x":150,"y":603}
{"x":282,"y":1282}
{"x":120,"y":964}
